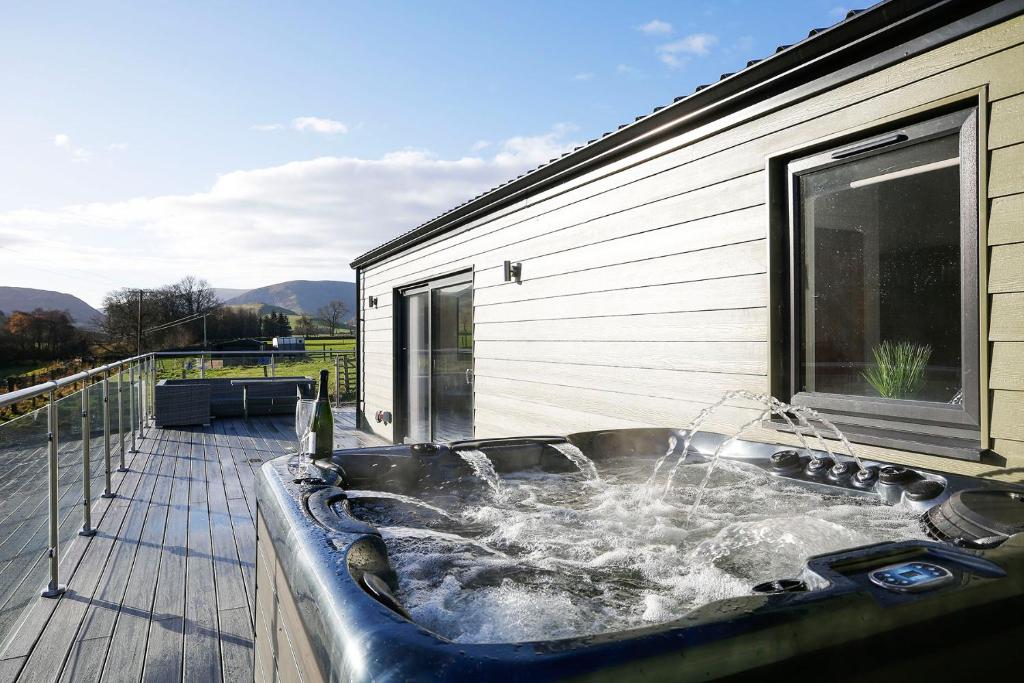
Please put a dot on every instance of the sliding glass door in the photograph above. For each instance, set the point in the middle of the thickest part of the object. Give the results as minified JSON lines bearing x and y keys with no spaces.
{"x":435,"y":361}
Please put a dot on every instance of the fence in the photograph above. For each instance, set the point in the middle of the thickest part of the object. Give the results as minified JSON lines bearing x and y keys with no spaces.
{"x":85,"y":437}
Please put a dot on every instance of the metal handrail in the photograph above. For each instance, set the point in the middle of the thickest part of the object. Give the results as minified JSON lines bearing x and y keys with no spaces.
{"x":140,"y":368}
{"x":35,"y":390}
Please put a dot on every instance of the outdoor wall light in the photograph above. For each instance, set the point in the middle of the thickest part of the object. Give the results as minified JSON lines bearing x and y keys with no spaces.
{"x":371,"y":302}
{"x":513,"y":271}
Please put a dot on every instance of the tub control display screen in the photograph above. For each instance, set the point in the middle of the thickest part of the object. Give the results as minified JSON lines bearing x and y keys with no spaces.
{"x":911,"y":577}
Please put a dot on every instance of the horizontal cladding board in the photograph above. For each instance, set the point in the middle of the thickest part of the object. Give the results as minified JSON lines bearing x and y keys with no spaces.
{"x":1006,"y":122}
{"x":1006,"y":171}
{"x":747,"y":258}
{"x":373,"y":338}
{"x":1006,"y":317}
{"x":746,"y":291}
{"x":749,"y":358}
{"x":378,"y":378}
{"x":1006,"y":220}
{"x":382,"y":399}
{"x":1008,"y":415}
{"x":380,"y":312}
{"x":497,"y":416}
{"x":744,"y":324}
{"x":956,"y":72}
{"x":377,"y":359}
{"x":1013,"y":451}
{"x":381,"y":323}
{"x":1006,"y":267}
{"x":1007,"y":367}
{"x":680,"y":195}
{"x":637,"y":382}
{"x":605,"y":243}
{"x":609,"y":409}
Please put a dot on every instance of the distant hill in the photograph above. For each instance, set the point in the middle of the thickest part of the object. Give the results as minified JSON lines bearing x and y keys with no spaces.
{"x":301,"y":296}
{"x":263,"y":309}
{"x":27,"y":299}
{"x":225,"y":293}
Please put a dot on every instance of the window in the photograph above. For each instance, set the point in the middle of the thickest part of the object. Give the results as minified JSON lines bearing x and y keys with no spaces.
{"x":883,"y":322}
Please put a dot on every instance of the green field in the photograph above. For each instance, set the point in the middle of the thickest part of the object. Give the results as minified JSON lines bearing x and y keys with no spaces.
{"x":329,"y":344}
{"x":188,"y":368}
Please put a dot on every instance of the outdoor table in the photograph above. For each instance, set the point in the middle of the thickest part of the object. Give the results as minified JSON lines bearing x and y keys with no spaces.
{"x":246,"y":383}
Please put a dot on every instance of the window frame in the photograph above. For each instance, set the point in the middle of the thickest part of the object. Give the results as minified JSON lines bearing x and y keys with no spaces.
{"x":941,"y":429}
{"x":400,"y":369}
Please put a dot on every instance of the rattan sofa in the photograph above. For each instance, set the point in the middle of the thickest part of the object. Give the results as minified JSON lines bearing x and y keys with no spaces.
{"x":179,"y":402}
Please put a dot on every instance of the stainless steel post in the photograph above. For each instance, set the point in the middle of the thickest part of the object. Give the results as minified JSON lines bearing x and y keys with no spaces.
{"x":337,"y":382}
{"x":107,"y":490}
{"x":152,"y":387}
{"x":131,"y":404}
{"x":273,"y":365}
{"x":53,"y":588}
{"x":120,"y":419}
{"x":86,"y":529}
{"x":344,"y":364}
{"x":140,"y":402}
{"x":202,"y":362}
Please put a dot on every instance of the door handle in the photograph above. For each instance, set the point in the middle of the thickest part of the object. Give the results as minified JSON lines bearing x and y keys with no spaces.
{"x":469,"y":376}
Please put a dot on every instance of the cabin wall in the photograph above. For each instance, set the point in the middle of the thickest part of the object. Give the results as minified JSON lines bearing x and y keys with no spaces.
{"x":645,"y":292}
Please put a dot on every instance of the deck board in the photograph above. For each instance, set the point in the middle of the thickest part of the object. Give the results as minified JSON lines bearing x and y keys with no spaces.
{"x":165,"y":591}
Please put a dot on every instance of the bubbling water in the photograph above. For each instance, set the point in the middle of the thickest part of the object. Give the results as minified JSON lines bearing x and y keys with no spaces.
{"x":555,"y":556}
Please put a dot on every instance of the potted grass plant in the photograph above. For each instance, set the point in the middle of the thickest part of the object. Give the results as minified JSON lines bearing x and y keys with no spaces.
{"x":899,"y":368}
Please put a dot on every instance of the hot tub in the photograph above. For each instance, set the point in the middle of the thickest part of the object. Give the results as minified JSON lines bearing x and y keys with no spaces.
{"x":549,"y":558}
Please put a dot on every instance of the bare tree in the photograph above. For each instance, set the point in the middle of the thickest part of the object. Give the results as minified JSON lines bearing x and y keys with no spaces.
{"x":305,"y":326}
{"x":187,"y":297}
{"x":333,"y":313}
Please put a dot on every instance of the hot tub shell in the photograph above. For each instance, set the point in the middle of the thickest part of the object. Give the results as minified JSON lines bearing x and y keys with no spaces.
{"x":325,"y":608}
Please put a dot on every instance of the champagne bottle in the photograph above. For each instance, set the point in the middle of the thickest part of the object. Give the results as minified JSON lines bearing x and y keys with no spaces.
{"x":322,"y":425}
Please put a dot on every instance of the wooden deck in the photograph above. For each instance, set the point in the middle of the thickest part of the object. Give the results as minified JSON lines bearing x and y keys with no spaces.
{"x":165,"y":589}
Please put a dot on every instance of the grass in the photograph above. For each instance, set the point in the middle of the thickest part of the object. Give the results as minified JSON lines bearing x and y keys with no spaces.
{"x":173,"y":368}
{"x":899,"y":368}
{"x":331,"y":344}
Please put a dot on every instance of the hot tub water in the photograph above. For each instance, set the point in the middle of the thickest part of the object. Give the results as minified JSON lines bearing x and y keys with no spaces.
{"x":535,"y":555}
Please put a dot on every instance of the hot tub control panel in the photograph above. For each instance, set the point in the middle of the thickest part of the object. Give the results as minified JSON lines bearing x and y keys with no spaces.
{"x":911,"y":577}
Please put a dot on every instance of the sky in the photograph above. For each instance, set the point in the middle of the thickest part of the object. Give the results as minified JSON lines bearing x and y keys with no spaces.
{"x":251,"y":143}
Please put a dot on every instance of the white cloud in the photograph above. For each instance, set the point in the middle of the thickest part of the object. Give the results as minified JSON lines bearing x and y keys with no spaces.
{"x":480,"y":145}
{"x":78,"y":154}
{"x":586,"y":76}
{"x":627,"y":70}
{"x":655,"y":27}
{"x":303,"y":124}
{"x":304,"y":219}
{"x":696,"y":44}
{"x":117,"y":146}
{"x":318,"y":125}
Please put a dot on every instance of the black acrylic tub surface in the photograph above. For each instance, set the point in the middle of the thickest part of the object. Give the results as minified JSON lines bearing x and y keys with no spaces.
{"x":840,"y":626}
